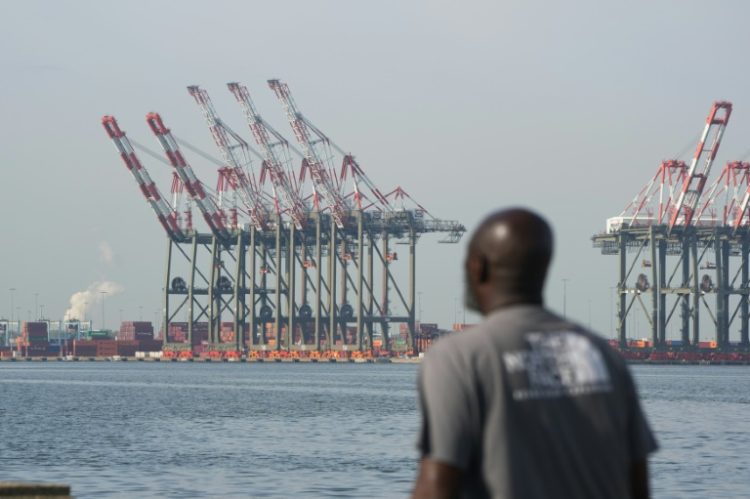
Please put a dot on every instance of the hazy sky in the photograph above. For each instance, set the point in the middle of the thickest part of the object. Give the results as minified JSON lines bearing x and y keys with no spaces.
{"x":565,"y":107}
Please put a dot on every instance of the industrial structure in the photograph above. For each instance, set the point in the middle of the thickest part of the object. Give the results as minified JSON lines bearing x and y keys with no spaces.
{"x":293,"y":260}
{"x":683,"y":250}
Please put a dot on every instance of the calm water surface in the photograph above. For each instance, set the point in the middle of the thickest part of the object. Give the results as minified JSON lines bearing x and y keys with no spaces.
{"x":316,"y":430}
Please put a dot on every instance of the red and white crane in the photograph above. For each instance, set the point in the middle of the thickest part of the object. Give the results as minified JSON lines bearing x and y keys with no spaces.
{"x":643,"y":210}
{"x":229,"y":143}
{"x":273,"y":152}
{"x":179,"y":202}
{"x":350,"y":166}
{"x":325,"y":185}
{"x":206,"y":204}
{"x":743,"y":205}
{"x":725,"y":194}
{"x":697,"y":173}
{"x":165,"y":213}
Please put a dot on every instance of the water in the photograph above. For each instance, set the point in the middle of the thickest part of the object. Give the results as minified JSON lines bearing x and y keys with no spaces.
{"x":316,"y":430}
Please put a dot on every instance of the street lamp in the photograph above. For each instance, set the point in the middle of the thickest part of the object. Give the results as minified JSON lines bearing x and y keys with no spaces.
{"x":36,"y":304}
{"x":12,"y":290}
{"x":103,"y":293}
{"x":7,"y":333}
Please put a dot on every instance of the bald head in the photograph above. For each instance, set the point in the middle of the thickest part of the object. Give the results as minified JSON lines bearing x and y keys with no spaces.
{"x":507,"y":260}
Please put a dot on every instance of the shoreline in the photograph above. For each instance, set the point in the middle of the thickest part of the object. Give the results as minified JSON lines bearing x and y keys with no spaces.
{"x":383,"y":360}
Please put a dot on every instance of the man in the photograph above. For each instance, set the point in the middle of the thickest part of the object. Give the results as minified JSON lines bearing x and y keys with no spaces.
{"x":526,"y":404}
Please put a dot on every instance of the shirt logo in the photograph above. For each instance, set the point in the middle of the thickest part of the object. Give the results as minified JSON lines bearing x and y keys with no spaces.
{"x":556,"y":364}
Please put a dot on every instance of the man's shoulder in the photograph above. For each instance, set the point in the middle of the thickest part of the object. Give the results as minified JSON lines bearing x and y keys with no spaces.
{"x":504,"y":321}
{"x":459,"y":343}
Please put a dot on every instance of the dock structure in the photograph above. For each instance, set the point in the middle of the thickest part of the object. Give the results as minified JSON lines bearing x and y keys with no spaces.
{"x":289,"y":260}
{"x":683,"y":249}
{"x":677,"y":277}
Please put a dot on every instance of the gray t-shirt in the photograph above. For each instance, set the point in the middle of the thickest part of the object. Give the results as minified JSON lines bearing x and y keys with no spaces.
{"x":531,"y":405}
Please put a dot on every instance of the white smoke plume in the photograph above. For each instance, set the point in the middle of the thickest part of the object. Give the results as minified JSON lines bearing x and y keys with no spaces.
{"x":106,"y":254}
{"x":81,"y":301}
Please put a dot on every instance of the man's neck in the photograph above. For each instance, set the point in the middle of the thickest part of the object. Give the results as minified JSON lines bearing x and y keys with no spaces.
{"x":505,"y":301}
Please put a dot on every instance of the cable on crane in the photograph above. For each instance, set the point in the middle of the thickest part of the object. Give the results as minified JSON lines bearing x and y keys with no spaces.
{"x":198,"y":151}
{"x":687,"y":147}
{"x":151,"y":153}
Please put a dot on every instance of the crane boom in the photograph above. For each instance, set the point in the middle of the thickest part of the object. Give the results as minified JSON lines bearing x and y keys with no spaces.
{"x":211,"y":212}
{"x":323,"y":183}
{"x":697,"y":173}
{"x":743,"y":205}
{"x":228,"y":143}
{"x":262,"y":133}
{"x":165,"y":213}
{"x":358,"y":175}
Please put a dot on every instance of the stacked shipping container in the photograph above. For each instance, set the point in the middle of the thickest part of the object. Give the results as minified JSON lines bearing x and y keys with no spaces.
{"x":35,"y":339}
{"x":136,"y":330}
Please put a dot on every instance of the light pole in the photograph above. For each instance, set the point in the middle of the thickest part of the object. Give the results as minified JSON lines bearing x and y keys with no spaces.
{"x":36,"y":304}
{"x":41,"y":311}
{"x":565,"y":297}
{"x":12,"y":290}
{"x":7,"y":333}
{"x":103,"y":293}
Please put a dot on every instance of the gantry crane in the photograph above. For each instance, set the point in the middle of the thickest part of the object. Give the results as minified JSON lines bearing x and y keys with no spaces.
{"x":229,"y":143}
{"x":697,"y":173}
{"x":324,"y":181}
{"x":206,"y":204}
{"x":166,"y":214}
{"x":273,"y":151}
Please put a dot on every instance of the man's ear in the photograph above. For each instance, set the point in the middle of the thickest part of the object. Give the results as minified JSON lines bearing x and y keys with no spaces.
{"x":484,"y":270}
{"x":478,"y":269}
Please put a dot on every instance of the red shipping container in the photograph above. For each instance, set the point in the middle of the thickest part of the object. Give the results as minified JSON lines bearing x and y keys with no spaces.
{"x":106,"y":348}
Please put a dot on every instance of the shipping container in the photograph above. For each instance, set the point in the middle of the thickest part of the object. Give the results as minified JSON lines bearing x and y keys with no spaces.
{"x":106,"y":348}
{"x":150,"y":345}
{"x":126,"y":350}
{"x":133,"y":330}
{"x":84,"y":348}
